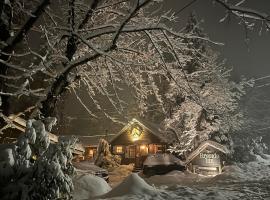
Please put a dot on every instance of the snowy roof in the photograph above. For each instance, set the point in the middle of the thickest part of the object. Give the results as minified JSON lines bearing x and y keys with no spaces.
{"x":203,"y":146}
{"x":93,"y":140}
{"x":20,"y":124}
{"x":161,"y":159}
{"x":153,"y":128}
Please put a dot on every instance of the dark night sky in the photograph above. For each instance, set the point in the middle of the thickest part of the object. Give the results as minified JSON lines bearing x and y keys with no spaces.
{"x":250,"y":60}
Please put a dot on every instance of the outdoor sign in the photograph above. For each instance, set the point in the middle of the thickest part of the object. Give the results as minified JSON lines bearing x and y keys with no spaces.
{"x":209,"y":157}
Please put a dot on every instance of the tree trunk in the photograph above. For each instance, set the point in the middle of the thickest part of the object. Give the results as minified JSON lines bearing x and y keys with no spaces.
{"x":59,"y":86}
{"x":4,"y":35}
{"x":61,"y":83}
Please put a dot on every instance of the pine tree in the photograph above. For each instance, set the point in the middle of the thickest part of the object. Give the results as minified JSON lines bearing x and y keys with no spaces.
{"x":33,"y":168}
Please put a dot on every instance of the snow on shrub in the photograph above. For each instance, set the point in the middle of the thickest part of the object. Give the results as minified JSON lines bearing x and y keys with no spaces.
{"x":33,"y":168}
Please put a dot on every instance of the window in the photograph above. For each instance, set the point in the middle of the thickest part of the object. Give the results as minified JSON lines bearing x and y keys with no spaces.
{"x":143,"y":150}
{"x":91,"y":153}
{"x":119,"y":149}
{"x":159,"y":148}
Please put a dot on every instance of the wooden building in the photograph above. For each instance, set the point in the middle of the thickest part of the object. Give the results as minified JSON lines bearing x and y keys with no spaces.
{"x":90,"y":143}
{"x":19,"y":125}
{"x":136,"y":140}
{"x":207,"y":159}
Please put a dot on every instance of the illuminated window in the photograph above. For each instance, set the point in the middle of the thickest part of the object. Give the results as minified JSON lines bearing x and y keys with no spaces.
{"x":159,"y":148}
{"x":143,"y":150}
{"x":119,"y":149}
{"x":91,"y":153}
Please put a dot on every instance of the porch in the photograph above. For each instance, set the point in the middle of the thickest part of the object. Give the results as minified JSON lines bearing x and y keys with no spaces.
{"x":137,"y":153}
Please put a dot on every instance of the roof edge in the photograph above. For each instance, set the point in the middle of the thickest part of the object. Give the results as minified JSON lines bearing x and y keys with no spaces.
{"x":134,"y":120}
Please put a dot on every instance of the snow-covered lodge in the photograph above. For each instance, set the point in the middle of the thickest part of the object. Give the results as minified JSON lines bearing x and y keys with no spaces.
{"x":133,"y":143}
{"x":19,"y":125}
{"x":136,"y":141}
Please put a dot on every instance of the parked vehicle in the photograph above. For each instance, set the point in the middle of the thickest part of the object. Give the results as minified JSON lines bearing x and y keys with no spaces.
{"x":161,"y":163}
{"x":88,"y":167}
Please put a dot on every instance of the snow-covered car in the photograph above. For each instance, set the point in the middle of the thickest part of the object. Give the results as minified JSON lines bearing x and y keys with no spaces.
{"x":87,"y":167}
{"x":161,"y":163}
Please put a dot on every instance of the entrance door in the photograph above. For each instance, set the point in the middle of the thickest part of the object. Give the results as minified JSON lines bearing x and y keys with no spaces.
{"x":136,"y":154}
{"x":141,"y":154}
{"x":130,"y":154}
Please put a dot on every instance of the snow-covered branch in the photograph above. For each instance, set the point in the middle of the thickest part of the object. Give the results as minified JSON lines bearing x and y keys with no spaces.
{"x":246,"y":13}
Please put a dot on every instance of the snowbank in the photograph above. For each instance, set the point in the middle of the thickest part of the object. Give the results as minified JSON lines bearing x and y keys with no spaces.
{"x":87,"y":186}
{"x":203,"y":193}
{"x":134,"y":186}
{"x":118,"y":174}
{"x":176,"y":177}
{"x":258,"y":170}
{"x":87,"y":166}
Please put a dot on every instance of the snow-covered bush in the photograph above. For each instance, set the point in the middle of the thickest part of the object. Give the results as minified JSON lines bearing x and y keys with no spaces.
{"x":104,"y":157}
{"x":33,"y":168}
{"x":248,"y":149}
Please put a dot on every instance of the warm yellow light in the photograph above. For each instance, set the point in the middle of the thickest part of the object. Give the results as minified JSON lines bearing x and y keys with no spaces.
{"x":119,"y":149}
{"x":143,"y":150}
{"x":143,"y":147}
{"x":135,"y":137}
{"x":91,"y":152}
{"x":34,"y":157}
{"x":135,"y":133}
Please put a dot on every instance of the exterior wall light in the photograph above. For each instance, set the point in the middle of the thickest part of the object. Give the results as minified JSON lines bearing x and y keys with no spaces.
{"x":135,"y":134}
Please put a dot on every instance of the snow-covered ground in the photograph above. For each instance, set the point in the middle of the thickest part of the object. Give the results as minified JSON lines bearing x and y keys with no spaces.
{"x":87,"y":186}
{"x":118,"y":174}
{"x":250,"y":181}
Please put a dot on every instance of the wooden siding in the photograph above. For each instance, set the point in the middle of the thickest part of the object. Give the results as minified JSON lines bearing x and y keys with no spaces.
{"x":208,"y":162}
{"x":145,"y":138}
{"x":136,"y":149}
{"x":208,"y":157}
{"x":140,"y":154}
{"x":20,"y":124}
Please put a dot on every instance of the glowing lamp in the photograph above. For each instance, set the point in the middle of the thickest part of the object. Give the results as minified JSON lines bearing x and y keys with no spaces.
{"x":136,"y":133}
{"x":34,"y":157}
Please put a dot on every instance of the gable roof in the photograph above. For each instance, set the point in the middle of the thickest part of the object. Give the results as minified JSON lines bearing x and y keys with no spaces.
{"x":153,"y":128}
{"x":93,"y":140}
{"x":203,"y":146}
{"x":20,"y":124}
